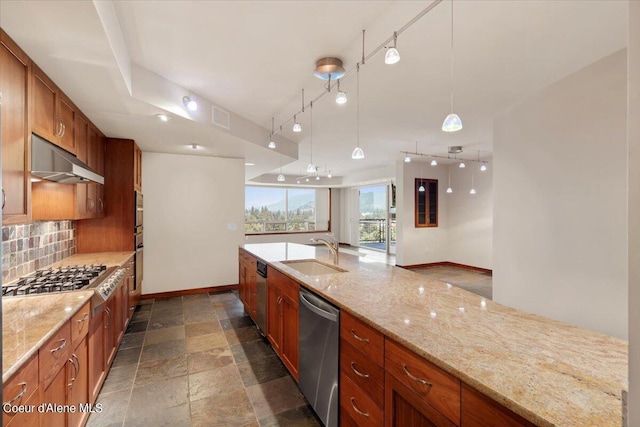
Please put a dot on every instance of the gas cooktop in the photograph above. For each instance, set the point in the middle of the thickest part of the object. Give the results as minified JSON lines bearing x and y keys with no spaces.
{"x":55,"y":280}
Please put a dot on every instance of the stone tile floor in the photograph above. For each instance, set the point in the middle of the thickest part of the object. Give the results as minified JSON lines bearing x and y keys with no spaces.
{"x":198,"y":360}
{"x":476,"y":282}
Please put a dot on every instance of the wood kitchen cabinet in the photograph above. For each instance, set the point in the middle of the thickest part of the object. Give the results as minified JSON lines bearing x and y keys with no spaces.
{"x":137,"y":168}
{"x":15,"y":87}
{"x":247,"y":283}
{"x":110,"y":328}
{"x":22,"y":389}
{"x":97,"y":356}
{"x":133,"y":294}
{"x":282,"y":318}
{"x":480,"y":411}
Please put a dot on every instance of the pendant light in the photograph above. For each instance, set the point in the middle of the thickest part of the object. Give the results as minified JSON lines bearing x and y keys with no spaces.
{"x":449,"y":189}
{"x":281,"y":177}
{"x":297,"y":127}
{"x":434,"y":162}
{"x":341,"y":97}
{"x":392,"y":56}
{"x":311,"y":168}
{"x":407,"y":159}
{"x":452,"y":122}
{"x":272,"y":143}
{"x":421,"y":188}
{"x":473,"y":188}
{"x":358,"y":153}
{"x":462,"y":165}
{"x":483,"y":167}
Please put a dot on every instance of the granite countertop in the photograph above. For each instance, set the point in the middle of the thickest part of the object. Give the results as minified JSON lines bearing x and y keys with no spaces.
{"x":110,"y":259}
{"x":29,"y":321}
{"x":549,"y":372}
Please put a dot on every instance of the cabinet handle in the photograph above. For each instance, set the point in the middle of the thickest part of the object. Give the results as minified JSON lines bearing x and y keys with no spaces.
{"x":365,"y":340}
{"x":100,"y":205}
{"x":353,"y":404}
{"x":358,"y":373}
{"x":19,"y":395}
{"x":108,"y":312}
{"x":63,"y":128}
{"x":60,"y":347}
{"x":75,"y":372}
{"x":131,"y":308}
{"x":84,"y":319}
{"x":416,"y":379}
{"x":4,"y":198}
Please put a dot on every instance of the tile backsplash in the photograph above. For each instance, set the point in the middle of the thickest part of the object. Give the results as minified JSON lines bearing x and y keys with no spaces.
{"x":29,"y":247}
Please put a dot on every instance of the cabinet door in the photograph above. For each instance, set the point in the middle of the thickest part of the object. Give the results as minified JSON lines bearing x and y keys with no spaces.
{"x":405,"y":408}
{"x":137,"y":166}
{"x":110,"y":331}
{"x":274,"y":318}
{"x":15,"y":69}
{"x":44,"y":119}
{"x":81,"y":132}
{"x":67,"y":117}
{"x":97,"y":355}
{"x":78,"y":374}
{"x":55,"y":393}
{"x":290,"y":323}
{"x":480,"y":411}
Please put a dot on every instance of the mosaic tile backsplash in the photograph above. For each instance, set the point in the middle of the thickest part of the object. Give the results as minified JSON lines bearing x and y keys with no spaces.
{"x":29,"y":247}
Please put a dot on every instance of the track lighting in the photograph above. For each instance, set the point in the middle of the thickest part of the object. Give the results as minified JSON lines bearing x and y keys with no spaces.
{"x":462,"y":165}
{"x":449,"y":189}
{"x":317,"y":178}
{"x":298,"y":181}
{"x":358,"y":153}
{"x":272,"y":142}
{"x":473,"y":187}
{"x":407,"y":159}
{"x":297,"y":127}
{"x":311,"y":168}
{"x":307,"y":179}
{"x":434,"y":162}
{"x":483,"y":167}
{"x":281,"y":178}
{"x":473,"y":191}
{"x":163,"y":117}
{"x":190,"y":103}
{"x":341,"y":97}
{"x":452,"y":122}
{"x":392,"y":56}
{"x":421,"y":188}
{"x":329,"y":175}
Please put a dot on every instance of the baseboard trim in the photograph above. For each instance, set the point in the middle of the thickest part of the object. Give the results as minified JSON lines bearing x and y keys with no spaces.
{"x":449,"y":264}
{"x":195,"y":291}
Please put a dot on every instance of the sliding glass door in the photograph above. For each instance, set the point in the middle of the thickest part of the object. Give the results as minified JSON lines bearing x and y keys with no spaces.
{"x":374,"y":228}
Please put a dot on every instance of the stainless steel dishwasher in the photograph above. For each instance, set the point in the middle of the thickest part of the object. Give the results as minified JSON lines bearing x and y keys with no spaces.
{"x":318,"y":350}
{"x":261,"y":297}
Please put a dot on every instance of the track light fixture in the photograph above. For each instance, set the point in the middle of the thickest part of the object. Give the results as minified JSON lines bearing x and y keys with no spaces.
{"x":341,"y":97}
{"x":434,"y":162}
{"x":407,"y":159}
{"x":190,"y":103}
{"x":483,"y":167}
{"x":311,"y":168}
{"x":462,"y":165}
{"x":473,"y":187}
{"x":452,"y":122}
{"x":358,"y":153}
{"x":163,"y":117}
{"x":449,"y":189}
{"x":297,"y":127}
{"x":272,"y":142}
{"x":392,"y":56}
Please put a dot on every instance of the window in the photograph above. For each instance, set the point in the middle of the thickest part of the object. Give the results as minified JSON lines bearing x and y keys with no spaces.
{"x":426,"y":202}
{"x":286,"y":210}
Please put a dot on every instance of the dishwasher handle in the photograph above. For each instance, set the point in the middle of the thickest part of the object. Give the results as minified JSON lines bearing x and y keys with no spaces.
{"x":317,"y":310}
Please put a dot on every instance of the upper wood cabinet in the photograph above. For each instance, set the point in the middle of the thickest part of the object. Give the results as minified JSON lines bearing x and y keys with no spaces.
{"x":52,"y":113}
{"x":15,"y":82}
{"x":137,"y":168}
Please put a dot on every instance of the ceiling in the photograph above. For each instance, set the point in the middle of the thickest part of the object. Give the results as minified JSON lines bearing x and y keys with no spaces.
{"x":252,"y":58}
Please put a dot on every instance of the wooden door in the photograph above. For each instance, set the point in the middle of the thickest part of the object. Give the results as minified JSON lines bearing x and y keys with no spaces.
{"x":137,"y":162}
{"x":78,"y":392}
{"x":97,"y":356}
{"x":15,"y":75}
{"x":55,"y":394}
{"x":274,"y":315}
{"x":81,"y":132}
{"x":290,"y":333}
{"x":67,"y":115}
{"x":405,"y":408}
{"x":44,"y":116}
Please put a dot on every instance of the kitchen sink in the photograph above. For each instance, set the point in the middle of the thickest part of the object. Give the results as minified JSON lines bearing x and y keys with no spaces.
{"x":313,"y":268}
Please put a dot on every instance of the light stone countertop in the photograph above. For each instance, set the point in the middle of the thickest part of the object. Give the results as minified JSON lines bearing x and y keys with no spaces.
{"x":549,"y":372}
{"x":29,"y":321}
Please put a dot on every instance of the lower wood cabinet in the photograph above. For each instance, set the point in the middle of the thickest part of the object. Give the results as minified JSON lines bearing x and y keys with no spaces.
{"x":282,"y":318}
{"x":480,"y":411}
{"x":97,"y":356}
{"x":247,"y":284}
{"x":22,"y":389}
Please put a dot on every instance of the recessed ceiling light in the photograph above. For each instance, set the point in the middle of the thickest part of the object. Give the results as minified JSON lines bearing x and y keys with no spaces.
{"x":249,"y":164}
{"x":163,"y":117}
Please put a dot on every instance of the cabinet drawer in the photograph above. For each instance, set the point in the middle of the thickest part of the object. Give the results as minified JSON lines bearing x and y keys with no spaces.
{"x":430,"y":383}
{"x":80,"y":324}
{"x":20,"y":387}
{"x":356,"y":407}
{"x":364,"y":373}
{"x":363,"y":337}
{"x":53,"y":355}
{"x":25,"y":419}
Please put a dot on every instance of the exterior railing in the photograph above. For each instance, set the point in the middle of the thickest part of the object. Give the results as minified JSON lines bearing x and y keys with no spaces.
{"x":278,"y":226}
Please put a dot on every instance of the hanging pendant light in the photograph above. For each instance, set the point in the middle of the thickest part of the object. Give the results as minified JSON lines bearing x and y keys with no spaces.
{"x":392,"y":56}
{"x":483,"y":167}
{"x":297,"y":127}
{"x":449,"y":189}
{"x":421,"y":188}
{"x":281,"y":177}
{"x":452,"y":122}
{"x":473,"y":188}
{"x":462,"y":165}
{"x":434,"y":162}
{"x":341,"y":97}
{"x":358,"y":153}
{"x":407,"y":159}
{"x":272,"y":143}
{"x":311,"y":168}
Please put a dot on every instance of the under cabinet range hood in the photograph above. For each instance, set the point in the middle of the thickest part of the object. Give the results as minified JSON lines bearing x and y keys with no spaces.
{"x":54,"y":164}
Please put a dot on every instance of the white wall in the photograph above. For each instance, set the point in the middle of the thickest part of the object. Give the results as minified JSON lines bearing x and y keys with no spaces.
{"x":634,"y":212}
{"x":560,"y":193}
{"x":420,"y":245}
{"x":336,"y":197}
{"x":189,"y":203}
{"x":470,"y":217}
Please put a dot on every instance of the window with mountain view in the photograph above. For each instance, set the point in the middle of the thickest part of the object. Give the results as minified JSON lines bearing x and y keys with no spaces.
{"x":285,"y":210}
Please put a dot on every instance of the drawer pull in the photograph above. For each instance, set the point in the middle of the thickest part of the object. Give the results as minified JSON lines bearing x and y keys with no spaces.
{"x":358,"y":373}
{"x":365,"y":340}
{"x":416,"y":379}
{"x":84,"y":318}
{"x":75,"y":370}
{"x":353,"y":404}
{"x":60,"y":347}
{"x":19,"y":395}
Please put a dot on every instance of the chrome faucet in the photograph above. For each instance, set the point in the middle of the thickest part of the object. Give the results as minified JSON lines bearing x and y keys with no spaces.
{"x":333,"y":247}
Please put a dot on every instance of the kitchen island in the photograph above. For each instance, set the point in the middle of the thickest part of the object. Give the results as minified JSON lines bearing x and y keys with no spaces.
{"x":548,"y":372}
